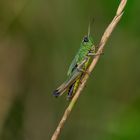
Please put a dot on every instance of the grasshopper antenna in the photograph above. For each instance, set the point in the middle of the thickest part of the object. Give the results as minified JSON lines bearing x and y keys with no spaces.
{"x":89,"y":26}
{"x":89,"y":30}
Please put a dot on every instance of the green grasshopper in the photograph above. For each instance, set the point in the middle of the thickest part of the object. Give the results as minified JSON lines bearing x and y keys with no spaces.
{"x":78,"y":67}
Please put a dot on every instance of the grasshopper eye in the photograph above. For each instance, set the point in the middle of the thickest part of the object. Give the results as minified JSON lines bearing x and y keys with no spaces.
{"x":85,"y":39}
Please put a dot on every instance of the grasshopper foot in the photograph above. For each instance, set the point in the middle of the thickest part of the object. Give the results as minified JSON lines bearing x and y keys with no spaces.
{"x":100,"y":53}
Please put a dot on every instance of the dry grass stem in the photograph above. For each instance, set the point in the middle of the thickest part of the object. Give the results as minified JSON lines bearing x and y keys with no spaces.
{"x":101,"y":45}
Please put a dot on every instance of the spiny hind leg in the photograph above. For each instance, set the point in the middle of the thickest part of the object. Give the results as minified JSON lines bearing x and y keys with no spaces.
{"x":72,"y":89}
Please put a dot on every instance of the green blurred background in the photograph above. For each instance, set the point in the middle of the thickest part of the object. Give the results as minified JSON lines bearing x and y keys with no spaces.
{"x":38,"y":39}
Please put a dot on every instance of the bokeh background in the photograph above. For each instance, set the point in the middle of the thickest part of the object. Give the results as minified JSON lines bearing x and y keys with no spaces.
{"x":38,"y":40}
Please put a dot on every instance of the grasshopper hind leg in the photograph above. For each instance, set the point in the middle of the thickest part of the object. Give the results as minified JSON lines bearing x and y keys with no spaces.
{"x":70,"y":91}
{"x":73,"y":88}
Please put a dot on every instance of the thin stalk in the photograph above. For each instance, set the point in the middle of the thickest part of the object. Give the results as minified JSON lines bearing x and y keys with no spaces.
{"x":91,"y":67}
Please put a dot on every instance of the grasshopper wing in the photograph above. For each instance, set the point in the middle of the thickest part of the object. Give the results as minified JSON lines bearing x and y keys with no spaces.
{"x":72,"y":66}
{"x":62,"y":88}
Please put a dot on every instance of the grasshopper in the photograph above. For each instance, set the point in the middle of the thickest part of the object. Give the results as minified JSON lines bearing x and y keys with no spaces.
{"x":78,"y":67}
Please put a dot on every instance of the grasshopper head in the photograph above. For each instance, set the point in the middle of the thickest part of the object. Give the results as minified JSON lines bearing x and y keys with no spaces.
{"x":87,"y":41}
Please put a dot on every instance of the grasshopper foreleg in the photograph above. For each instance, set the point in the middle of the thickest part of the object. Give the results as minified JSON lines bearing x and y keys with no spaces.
{"x":94,"y":54}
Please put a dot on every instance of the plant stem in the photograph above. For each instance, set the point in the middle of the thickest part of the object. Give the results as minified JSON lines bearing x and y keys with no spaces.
{"x":91,"y":67}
